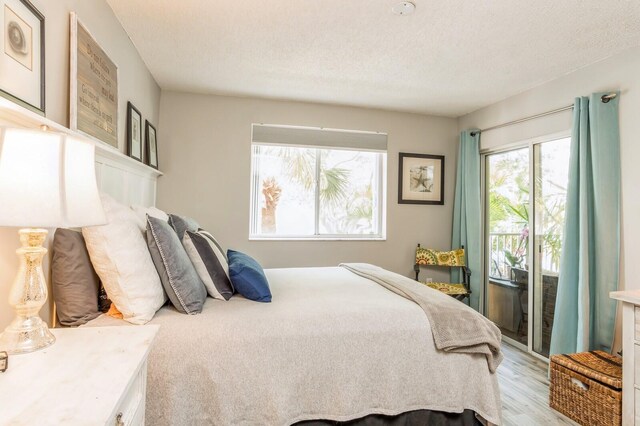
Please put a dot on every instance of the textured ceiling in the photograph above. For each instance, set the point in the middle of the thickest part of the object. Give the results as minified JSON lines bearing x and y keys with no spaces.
{"x":449,"y":58}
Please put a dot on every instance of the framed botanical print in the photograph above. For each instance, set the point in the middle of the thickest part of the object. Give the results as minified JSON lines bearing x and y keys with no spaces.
{"x":151,"y":145}
{"x":134,"y":132}
{"x":22,"y":59}
{"x":421,"y":179}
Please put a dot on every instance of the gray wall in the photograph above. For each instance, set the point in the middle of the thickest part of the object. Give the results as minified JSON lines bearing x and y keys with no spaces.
{"x":205,"y":153}
{"x":135,"y":84}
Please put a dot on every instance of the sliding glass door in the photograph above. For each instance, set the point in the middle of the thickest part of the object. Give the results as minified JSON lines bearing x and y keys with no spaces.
{"x":551,"y":173}
{"x":525,"y":191}
{"x":507,"y":248}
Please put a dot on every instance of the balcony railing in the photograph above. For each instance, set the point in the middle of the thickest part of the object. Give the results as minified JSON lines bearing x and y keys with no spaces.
{"x":501,"y":242}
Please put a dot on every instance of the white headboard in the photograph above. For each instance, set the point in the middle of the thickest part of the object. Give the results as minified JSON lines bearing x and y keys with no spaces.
{"x":125,"y":179}
{"x":128,"y":183}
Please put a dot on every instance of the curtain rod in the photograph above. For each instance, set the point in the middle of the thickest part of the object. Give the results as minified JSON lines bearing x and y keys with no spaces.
{"x":605,"y":98}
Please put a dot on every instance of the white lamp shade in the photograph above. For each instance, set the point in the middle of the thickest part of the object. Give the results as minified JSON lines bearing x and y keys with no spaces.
{"x":47,"y":180}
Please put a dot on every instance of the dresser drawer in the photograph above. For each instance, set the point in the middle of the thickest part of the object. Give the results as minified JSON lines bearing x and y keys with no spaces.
{"x":636,"y":327}
{"x":131,"y":409}
{"x":636,"y":357}
{"x":637,"y":407}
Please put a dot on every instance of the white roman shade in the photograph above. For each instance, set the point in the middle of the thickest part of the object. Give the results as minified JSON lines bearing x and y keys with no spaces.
{"x":269,"y":134}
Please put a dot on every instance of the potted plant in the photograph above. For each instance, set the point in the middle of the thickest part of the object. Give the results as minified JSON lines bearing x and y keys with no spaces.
{"x":516,"y":260}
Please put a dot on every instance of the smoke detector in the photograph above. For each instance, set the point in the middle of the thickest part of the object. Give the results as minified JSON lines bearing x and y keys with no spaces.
{"x":404,"y":8}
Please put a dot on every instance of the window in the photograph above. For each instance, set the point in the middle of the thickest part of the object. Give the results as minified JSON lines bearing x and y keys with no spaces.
{"x":317,"y":184}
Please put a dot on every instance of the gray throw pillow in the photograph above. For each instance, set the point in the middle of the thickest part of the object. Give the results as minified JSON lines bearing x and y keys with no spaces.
{"x":182,"y":224}
{"x":74,"y":283}
{"x":178,"y":276}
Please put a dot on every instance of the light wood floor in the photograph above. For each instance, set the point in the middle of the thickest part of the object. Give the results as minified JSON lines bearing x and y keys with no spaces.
{"x":525,"y":391}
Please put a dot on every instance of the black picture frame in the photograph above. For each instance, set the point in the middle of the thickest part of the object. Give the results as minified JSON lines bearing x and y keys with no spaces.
{"x":420,"y":179}
{"x":134,"y":128}
{"x":151,"y":145}
{"x":11,"y":94}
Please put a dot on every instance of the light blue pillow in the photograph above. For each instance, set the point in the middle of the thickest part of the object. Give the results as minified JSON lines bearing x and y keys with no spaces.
{"x":247,"y":277}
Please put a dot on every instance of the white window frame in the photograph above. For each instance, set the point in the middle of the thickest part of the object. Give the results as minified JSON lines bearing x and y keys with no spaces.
{"x":254,"y":203}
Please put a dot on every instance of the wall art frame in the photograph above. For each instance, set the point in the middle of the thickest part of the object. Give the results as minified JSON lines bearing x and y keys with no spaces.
{"x":421,"y":179}
{"x":22,"y":62}
{"x":93,"y":98}
{"x":151,"y":145}
{"x":135,"y":142}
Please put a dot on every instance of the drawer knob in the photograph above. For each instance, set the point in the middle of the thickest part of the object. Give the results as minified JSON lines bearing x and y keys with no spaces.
{"x":119,"y":421}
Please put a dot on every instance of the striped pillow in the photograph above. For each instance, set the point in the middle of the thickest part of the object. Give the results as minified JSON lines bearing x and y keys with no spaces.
{"x":210,"y":262}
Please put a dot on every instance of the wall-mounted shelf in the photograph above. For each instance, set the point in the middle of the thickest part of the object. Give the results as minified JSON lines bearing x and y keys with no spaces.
{"x":16,"y":115}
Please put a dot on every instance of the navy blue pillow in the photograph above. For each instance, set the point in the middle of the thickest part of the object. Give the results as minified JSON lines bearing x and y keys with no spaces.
{"x":247,"y":277}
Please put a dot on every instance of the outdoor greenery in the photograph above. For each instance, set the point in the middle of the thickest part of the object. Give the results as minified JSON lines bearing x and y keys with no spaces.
{"x":509,"y":209}
{"x":345,"y":208}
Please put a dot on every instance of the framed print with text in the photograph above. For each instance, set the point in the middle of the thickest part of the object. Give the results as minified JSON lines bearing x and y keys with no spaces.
{"x":93,"y":100}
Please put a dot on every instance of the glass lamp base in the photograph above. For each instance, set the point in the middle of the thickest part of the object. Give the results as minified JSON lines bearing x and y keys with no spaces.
{"x":27,"y":332}
{"x":25,"y":335}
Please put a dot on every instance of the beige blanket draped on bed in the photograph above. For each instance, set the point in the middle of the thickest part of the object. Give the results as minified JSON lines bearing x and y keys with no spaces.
{"x":455,"y":326}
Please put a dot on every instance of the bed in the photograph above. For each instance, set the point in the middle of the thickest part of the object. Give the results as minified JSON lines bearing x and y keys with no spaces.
{"x":333,"y":346}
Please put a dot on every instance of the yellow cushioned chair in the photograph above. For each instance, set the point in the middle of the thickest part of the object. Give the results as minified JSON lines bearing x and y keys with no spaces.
{"x":450,"y":259}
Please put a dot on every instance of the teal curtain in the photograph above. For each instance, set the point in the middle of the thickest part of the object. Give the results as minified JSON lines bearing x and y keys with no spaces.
{"x":466,"y":212}
{"x":584,"y":314}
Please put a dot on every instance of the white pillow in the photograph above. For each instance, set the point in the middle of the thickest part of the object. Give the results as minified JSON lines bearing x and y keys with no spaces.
{"x":121,"y":258}
{"x":141,"y":216}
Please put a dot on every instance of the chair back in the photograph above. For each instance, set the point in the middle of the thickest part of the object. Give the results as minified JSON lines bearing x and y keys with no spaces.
{"x":425,"y":256}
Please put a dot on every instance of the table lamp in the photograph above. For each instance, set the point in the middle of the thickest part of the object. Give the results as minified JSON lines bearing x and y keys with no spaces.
{"x":47,"y":180}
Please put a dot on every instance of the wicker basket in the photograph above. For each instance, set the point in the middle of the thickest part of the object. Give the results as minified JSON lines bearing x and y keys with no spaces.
{"x":587,"y":387}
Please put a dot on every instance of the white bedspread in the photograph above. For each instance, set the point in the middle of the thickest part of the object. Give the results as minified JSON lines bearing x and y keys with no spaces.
{"x":331,"y":345}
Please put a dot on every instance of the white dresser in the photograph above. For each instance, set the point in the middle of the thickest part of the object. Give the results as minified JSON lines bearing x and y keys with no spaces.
{"x":89,"y":376}
{"x":630,"y":355}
